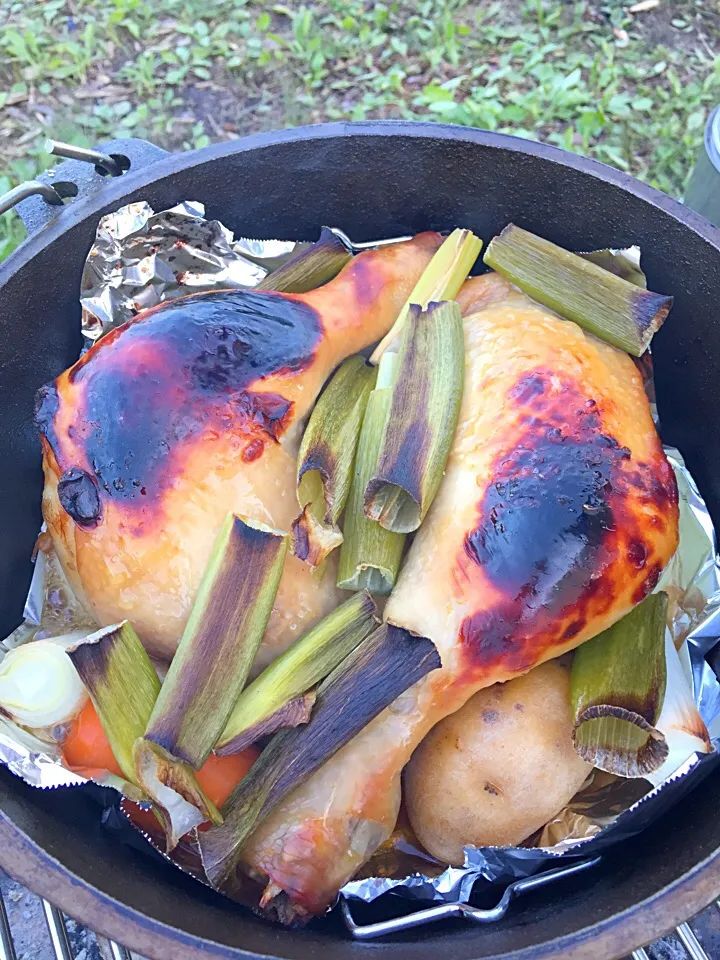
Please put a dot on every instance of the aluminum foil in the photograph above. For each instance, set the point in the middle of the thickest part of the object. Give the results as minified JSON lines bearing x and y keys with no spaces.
{"x":141,"y":258}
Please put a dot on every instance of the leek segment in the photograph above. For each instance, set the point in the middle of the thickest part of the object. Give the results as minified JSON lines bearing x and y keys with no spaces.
{"x":284,"y":684}
{"x":326,"y":458}
{"x":124,"y":686}
{"x":422,"y":418}
{"x":441,"y":280}
{"x":617,"y":690}
{"x":370,"y":556}
{"x":220,"y":641}
{"x":606,"y":305}
{"x":311,"y":268}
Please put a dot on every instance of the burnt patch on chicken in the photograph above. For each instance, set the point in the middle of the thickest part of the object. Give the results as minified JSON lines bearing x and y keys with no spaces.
{"x":365,"y":282}
{"x":79,"y":497}
{"x":549,"y":507}
{"x":552,"y":522}
{"x":47,"y":404}
{"x":529,"y":388}
{"x":648,"y":584}
{"x":637,"y":553}
{"x":184,"y":370}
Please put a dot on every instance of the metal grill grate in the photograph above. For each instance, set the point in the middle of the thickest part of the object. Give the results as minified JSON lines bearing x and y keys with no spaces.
{"x":683,"y":943}
{"x":60,"y":945}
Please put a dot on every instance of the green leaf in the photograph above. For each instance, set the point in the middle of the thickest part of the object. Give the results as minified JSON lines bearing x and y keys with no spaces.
{"x":696,"y":120}
{"x":436,"y":94}
{"x":642,"y":104}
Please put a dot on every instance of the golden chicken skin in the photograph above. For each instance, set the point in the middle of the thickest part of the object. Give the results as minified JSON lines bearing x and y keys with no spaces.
{"x":557,"y":514}
{"x":191,"y":410}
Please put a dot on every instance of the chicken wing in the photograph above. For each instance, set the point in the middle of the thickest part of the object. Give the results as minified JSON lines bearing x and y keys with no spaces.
{"x":557,"y":514}
{"x":191,"y":410}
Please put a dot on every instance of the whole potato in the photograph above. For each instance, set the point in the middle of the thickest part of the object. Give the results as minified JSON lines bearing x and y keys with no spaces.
{"x":497,"y":770}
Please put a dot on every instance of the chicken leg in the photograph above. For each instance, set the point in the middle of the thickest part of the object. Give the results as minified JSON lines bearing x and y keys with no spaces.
{"x":557,"y":514}
{"x":193,"y":409}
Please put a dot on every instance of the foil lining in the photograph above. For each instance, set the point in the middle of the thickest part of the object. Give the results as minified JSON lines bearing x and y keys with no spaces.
{"x":141,"y":258}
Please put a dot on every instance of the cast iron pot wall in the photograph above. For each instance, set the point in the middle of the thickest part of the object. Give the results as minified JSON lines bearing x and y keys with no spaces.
{"x":374,"y":180}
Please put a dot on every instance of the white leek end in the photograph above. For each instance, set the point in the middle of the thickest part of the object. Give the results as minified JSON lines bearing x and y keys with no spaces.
{"x":39,"y":686}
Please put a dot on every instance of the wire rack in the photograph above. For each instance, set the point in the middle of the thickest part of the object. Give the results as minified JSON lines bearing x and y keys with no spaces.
{"x":683,"y":943}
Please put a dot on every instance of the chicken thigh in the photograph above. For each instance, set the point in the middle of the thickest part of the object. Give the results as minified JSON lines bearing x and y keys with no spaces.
{"x":557,"y":514}
{"x":191,"y":410}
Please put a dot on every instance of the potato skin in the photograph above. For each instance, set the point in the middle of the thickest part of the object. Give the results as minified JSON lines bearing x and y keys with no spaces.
{"x":497,"y":770}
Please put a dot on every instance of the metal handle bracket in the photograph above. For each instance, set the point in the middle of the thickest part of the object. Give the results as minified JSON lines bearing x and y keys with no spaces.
{"x":40,"y":201}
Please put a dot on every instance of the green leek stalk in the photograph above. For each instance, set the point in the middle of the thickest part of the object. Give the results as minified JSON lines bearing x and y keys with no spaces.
{"x":370,"y":556}
{"x":311,"y":268}
{"x":326,"y":458}
{"x":219,"y":644}
{"x":279,"y":693}
{"x":617,"y":690}
{"x":422,"y":418}
{"x":376,"y":672}
{"x":441,"y":280}
{"x":123,"y":686}
{"x":606,"y":305}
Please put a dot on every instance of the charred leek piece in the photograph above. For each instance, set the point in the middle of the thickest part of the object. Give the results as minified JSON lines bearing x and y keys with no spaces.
{"x":441,"y":280}
{"x":275,"y":698}
{"x":613,"y":309}
{"x":310,"y":268}
{"x":292,"y":713}
{"x":422,"y":419}
{"x":617,"y":689}
{"x":220,"y":641}
{"x":123,"y":685}
{"x":39,"y":686}
{"x":173,"y":787}
{"x":370,"y":556}
{"x":312,"y":538}
{"x":326,"y":458}
{"x":366,"y":682}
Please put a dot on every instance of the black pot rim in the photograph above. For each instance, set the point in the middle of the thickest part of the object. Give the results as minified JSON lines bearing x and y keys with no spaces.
{"x":112,"y":194}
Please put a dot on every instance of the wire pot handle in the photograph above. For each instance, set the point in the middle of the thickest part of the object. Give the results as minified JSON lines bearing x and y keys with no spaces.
{"x":82,"y":174}
{"x":464,"y":911}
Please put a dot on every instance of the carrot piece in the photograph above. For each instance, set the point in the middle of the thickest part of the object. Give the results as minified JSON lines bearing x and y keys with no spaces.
{"x":86,"y":750}
{"x":219,"y":776}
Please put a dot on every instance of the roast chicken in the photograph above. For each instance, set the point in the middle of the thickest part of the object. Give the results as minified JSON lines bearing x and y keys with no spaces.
{"x":557,"y":514}
{"x":191,"y":410}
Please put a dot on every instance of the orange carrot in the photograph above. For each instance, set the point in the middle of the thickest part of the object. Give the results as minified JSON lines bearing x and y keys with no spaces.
{"x":86,"y":750}
{"x":219,"y":776}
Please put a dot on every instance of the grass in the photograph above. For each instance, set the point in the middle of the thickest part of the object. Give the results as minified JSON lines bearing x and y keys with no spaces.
{"x":631,"y":90}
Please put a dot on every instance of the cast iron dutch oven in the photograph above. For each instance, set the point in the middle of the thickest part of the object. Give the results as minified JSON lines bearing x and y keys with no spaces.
{"x":373,"y":180}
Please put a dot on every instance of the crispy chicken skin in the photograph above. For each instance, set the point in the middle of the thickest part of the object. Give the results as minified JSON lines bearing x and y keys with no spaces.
{"x":557,"y":514}
{"x":191,"y":410}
